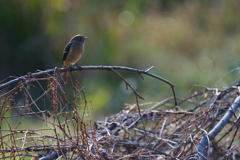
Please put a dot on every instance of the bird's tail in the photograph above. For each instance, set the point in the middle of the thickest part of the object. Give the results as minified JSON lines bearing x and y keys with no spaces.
{"x":65,"y":79}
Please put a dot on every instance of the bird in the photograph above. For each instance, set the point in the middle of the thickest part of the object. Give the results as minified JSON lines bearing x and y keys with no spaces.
{"x":73,"y":52}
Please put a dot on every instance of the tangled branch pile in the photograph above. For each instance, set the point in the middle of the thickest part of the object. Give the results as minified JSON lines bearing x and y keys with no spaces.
{"x":61,"y":128}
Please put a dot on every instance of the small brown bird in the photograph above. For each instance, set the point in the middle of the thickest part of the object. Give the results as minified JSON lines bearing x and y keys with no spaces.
{"x":73,"y":52}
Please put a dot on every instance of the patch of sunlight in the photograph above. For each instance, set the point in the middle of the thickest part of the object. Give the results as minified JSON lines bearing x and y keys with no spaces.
{"x":99,"y":98}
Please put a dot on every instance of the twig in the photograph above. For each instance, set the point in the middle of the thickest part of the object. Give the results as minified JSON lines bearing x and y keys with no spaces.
{"x":128,"y":84}
{"x":218,"y":127}
{"x":51,"y":71}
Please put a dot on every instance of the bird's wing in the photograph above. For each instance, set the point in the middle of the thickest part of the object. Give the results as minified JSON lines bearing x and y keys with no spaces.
{"x":66,"y":51}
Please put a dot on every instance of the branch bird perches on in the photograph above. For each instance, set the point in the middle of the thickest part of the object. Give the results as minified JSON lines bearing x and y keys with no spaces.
{"x":110,"y":68}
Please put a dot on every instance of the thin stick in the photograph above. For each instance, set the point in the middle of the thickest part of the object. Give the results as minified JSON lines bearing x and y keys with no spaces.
{"x":111,"y":68}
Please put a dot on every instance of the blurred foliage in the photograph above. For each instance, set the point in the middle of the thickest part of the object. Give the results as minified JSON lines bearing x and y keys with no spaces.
{"x":188,"y":42}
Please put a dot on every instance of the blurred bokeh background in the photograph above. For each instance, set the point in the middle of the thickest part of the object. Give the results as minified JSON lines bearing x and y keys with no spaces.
{"x":188,"y":42}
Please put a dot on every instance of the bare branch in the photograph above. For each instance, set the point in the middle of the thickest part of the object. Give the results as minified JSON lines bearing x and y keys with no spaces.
{"x":61,"y":123}
{"x":218,"y":127}
{"x":111,"y":68}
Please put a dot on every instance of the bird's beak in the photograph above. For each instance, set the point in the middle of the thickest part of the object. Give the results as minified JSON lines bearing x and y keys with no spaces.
{"x":85,"y":38}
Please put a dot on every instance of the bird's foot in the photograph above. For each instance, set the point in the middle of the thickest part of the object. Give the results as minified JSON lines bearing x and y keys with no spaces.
{"x":77,"y":65}
{"x":71,"y":68}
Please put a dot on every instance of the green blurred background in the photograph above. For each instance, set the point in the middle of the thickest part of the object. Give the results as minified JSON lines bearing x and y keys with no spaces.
{"x":188,"y":42}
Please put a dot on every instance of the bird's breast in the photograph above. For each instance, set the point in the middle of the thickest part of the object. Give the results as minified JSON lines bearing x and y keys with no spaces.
{"x":75,"y":53}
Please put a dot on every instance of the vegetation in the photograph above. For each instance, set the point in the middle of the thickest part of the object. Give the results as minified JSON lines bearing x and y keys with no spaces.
{"x":188,"y":42}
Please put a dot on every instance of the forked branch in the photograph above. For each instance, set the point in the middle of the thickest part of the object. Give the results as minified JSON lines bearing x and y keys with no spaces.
{"x":110,"y":68}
